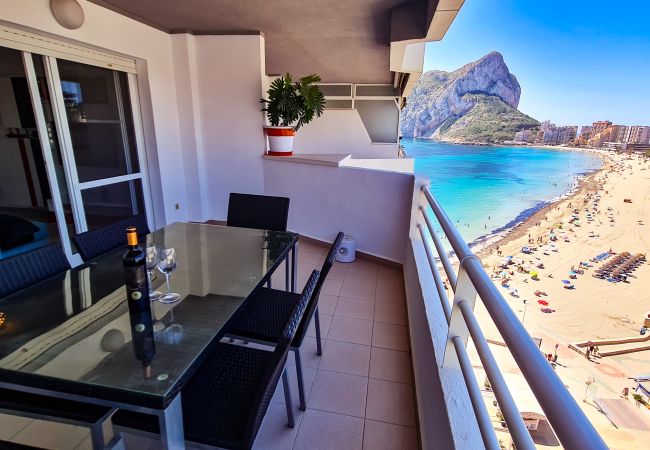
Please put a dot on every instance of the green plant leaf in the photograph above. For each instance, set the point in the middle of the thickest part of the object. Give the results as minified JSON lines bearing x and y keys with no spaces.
{"x":292,"y":103}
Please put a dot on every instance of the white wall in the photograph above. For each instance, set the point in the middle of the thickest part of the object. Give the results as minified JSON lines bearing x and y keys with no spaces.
{"x":187,"y":97}
{"x":371,"y":205}
{"x":229,"y":72}
{"x":381,"y":119}
{"x":114,"y":32}
{"x":340,"y":131}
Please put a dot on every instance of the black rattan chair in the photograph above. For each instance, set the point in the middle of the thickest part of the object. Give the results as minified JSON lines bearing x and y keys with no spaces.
{"x":21,"y":271}
{"x":225,"y":402}
{"x":263,"y":212}
{"x":93,"y":243}
{"x":267,"y":311}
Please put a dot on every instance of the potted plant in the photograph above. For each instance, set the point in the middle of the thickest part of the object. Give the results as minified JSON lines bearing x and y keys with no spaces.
{"x":289,"y":106}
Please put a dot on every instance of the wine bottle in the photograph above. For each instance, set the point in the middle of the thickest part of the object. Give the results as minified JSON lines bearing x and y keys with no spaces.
{"x":137,"y":294}
{"x":144,"y":345}
{"x":135,"y":274}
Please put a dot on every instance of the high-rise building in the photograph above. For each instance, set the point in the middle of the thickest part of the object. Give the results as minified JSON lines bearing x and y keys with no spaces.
{"x":559,"y":135}
{"x":612,"y":133}
{"x":522,"y":136}
{"x":600,"y":126}
{"x":637,"y":134}
{"x":545,"y":128}
{"x":550,"y":136}
{"x":586,"y":131}
{"x":567,"y":134}
{"x":546,"y":125}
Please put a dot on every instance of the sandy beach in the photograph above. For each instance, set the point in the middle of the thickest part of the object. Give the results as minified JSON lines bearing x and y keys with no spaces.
{"x":592,"y":221}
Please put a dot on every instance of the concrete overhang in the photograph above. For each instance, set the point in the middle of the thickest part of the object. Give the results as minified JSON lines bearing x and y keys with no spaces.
{"x":407,"y":49}
{"x":354,"y":41}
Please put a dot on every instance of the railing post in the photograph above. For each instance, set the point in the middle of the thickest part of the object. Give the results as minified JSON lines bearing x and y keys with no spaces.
{"x":465,"y":291}
{"x":419,"y":199}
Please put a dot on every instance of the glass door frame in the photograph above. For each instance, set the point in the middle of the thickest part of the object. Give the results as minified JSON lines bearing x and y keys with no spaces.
{"x":75,"y":187}
{"x":48,"y":156}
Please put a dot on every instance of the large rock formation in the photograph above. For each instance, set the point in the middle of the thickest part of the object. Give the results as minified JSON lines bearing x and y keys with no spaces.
{"x":476,"y":103}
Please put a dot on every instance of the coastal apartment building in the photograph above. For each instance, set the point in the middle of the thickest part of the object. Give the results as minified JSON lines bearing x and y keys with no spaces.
{"x":553,"y":135}
{"x":600,"y":126}
{"x":523,"y":136}
{"x":586,"y":132}
{"x":620,"y":134}
{"x":637,"y":134}
{"x":115,"y":108}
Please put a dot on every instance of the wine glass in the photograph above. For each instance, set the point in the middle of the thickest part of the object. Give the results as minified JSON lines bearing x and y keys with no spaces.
{"x":167,"y":264}
{"x":152,"y":260}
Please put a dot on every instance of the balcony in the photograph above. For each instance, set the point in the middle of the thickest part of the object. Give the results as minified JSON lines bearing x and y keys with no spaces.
{"x":359,"y":393}
{"x":397,"y":370}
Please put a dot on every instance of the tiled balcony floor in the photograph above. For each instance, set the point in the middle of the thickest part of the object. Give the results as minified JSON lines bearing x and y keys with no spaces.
{"x":359,"y":393}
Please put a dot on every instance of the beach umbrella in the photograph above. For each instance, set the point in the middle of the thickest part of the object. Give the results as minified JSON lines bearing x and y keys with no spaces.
{"x":533,"y":274}
{"x":566,"y":282}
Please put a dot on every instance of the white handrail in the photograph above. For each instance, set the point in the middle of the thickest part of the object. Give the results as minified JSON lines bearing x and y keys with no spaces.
{"x":446,"y":264}
{"x":569,"y":422}
{"x":436,"y":278}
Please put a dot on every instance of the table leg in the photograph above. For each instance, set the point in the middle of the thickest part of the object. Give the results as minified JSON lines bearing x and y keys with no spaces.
{"x":171,"y":426}
{"x":287,"y":274}
{"x":294,"y":267}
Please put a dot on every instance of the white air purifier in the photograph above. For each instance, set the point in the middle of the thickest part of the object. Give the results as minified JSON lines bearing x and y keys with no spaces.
{"x":347,"y":251}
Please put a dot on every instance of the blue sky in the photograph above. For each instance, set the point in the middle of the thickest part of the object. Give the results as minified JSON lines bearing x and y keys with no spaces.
{"x":577,"y":61}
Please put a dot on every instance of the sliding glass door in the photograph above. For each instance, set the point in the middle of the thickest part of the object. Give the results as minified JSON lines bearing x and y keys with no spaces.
{"x":85,"y":166}
{"x":28,"y":201}
{"x":96,"y":117}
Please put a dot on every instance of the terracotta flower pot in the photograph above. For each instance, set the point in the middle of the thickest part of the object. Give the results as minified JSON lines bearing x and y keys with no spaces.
{"x":280,"y":140}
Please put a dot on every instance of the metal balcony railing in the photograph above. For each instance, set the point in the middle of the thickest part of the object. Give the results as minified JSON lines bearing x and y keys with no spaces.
{"x":570,"y":424}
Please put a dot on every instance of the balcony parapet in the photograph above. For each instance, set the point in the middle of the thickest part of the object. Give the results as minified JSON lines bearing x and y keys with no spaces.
{"x":451,"y":323}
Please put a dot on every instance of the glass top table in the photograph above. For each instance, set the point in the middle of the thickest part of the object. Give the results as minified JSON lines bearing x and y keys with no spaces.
{"x":70,"y":335}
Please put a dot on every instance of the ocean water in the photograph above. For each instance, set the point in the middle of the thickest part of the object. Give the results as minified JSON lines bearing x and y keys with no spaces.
{"x":487,"y":190}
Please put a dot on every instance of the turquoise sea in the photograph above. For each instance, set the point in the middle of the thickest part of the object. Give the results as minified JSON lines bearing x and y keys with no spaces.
{"x":487,"y":190}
